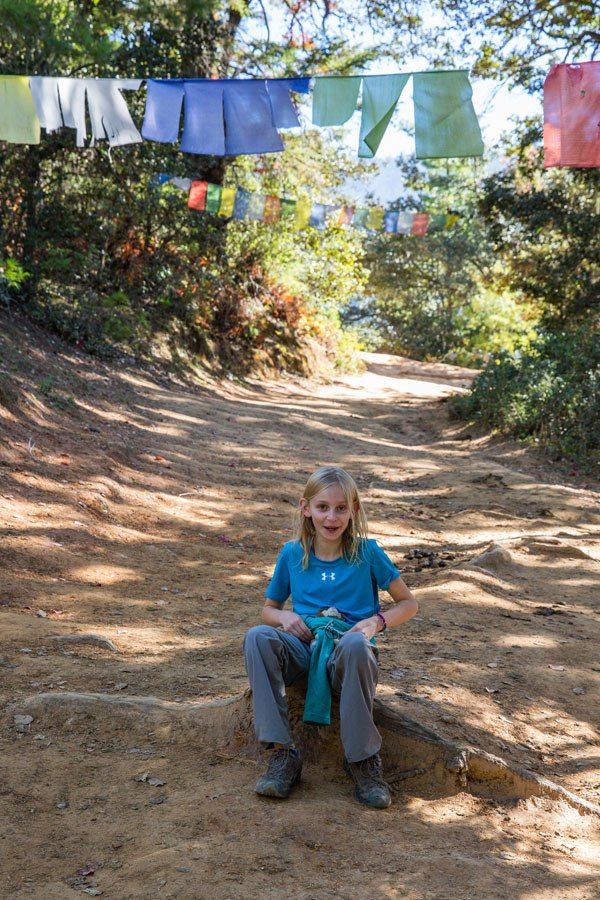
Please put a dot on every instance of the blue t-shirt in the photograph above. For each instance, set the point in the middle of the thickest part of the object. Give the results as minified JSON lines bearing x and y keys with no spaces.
{"x":350,"y":587}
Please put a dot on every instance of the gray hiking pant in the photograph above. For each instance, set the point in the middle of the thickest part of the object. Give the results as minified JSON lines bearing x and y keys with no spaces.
{"x":275,"y":659}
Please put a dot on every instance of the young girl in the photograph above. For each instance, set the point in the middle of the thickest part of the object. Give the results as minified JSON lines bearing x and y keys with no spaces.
{"x":332,"y":572}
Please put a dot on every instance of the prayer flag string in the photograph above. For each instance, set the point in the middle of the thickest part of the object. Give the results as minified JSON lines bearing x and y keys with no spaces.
{"x":237,"y":116}
{"x":238,"y":203}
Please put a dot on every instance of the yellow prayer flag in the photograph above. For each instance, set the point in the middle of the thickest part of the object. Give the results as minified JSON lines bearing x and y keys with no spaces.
{"x":19,"y":123}
{"x":375,"y":218}
{"x":227,"y":201}
{"x":303,"y":210}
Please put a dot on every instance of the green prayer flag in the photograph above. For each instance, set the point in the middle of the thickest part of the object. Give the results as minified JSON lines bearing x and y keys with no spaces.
{"x":437,"y":222}
{"x":360,"y":217}
{"x":334,"y":99}
{"x":288,"y":208}
{"x":379,"y":98}
{"x":445,"y":121}
{"x":213,"y":199}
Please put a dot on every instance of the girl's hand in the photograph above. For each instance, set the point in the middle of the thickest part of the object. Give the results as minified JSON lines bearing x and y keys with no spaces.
{"x":369,"y":627}
{"x":292,"y":623}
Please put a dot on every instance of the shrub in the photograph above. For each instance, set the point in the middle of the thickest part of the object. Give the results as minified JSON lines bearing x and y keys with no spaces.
{"x":548,"y":394}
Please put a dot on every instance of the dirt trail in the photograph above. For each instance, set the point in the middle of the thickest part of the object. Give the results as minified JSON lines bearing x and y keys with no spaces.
{"x":149,"y":513}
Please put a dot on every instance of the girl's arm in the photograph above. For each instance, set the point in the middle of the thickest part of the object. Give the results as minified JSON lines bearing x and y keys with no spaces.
{"x":290,"y":622}
{"x":406,"y":607}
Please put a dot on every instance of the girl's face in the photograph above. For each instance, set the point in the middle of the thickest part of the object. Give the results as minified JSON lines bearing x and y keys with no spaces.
{"x":330,"y":513}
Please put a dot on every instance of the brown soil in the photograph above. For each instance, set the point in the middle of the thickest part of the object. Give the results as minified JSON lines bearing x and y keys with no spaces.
{"x":149,"y":513}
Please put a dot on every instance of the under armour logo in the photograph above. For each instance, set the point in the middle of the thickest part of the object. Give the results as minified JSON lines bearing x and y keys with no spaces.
{"x":324,"y":576}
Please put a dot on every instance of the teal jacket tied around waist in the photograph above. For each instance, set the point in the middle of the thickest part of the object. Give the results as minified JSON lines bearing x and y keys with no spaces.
{"x":327,"y":631}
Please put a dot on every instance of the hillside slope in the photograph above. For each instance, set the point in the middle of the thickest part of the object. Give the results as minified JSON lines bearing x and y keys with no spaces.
{"x":149,"y":513}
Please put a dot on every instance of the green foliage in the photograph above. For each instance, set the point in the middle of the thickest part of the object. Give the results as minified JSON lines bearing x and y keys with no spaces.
{"x":432,"y":297}
{"x":517,"y":40}
{"x":46,"y":385}
{"x":549,"y":394}
{"x":12,"y":278}
{"x":545,"y":225}
{"x":114,"y":262}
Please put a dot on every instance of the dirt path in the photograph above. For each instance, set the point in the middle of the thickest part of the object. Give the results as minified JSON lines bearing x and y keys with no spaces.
{"x":149,"y":513}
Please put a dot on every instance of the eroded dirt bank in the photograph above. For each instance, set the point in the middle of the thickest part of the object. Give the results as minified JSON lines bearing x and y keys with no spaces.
{"x":149,"y":514}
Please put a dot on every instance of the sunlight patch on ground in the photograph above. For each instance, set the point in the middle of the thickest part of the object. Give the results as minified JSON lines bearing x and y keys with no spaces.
{"x":110,"y":574}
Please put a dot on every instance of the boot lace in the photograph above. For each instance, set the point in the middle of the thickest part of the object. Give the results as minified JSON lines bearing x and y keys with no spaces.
{"x":371,"y":769}
{"x":279,"y":761}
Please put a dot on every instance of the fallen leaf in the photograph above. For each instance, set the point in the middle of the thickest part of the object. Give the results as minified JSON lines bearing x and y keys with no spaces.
{"x":491,"y":690}
{"x":159,"y":458}
{"x":556,"y":668}
{"x":156,"y":782}
{"x":492,"y":665}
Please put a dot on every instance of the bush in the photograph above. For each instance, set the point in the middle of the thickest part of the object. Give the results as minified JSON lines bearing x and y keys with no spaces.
{"x":548,"y":394}
{"x":12,"y":278}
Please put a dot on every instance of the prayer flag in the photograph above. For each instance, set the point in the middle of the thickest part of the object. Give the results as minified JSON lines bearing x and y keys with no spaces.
{"x":197,"y":195}
{"x":445,"y":120}
{"x":184,"y":184}
{"x":303,"y":210}
{"x":242,"y":202}
{"x":572,"y":115}
{"x":420,"y":224}
{"x":451,"y":219}
{"x":256,"y":207}
{"x":379,"y":99}
{"x":225,"y":116}
{"x":284,"y":111}
{"x":437,"y":222}
{"x":19,"y":123}
{"x":334,"y":99}
{"x":213,"y":198}
{"x":160,"y":178}
{"x":346,"y":215}
{"x":404,"y":223}
{"x":227,"y":201}
{"x":360,"y":217}
{"x":375,"y":218}
{"x":272,"y":212}
{"x":390,"y":221}
{"x":62,"y":101}
{"x":288,"y":208}
{"x":164,"y":100}
{"x":317,"y":216}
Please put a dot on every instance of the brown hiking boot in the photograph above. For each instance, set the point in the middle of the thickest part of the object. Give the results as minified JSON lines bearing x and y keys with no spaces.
{"x":283,"y":771}
{"x":370,"y":786}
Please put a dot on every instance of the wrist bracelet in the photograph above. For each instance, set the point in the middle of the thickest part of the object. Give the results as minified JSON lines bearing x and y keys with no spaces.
{"x":382,"y":618}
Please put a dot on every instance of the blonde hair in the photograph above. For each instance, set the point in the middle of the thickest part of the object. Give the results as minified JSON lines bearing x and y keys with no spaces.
{"x":357,"y":529}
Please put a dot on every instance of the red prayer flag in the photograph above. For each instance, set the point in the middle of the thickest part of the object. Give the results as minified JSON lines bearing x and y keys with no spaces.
{"x":572,"y":115}
{"x":197,"y":195}
{"x":420,"y":224}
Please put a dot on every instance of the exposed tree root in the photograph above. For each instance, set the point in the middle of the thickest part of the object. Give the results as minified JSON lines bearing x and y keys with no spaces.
{"x":95,"y":639}
{"x":412,"y":752}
